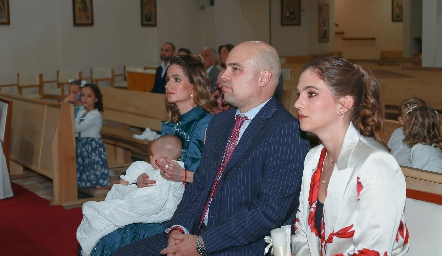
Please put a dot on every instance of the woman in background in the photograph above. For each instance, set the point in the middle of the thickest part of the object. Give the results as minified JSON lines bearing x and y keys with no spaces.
{"x":223,"y":51}
{"x":422,"y":135}
{"x":398,"y":148}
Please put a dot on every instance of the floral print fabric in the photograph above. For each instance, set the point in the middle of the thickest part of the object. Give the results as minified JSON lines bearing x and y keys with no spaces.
{"x":92,"y":169}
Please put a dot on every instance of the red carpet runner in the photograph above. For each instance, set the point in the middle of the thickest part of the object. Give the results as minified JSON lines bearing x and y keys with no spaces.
{"x":29,"y":225}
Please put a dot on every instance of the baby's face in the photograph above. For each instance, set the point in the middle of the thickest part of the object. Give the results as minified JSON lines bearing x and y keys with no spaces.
{"x":157,"y":155}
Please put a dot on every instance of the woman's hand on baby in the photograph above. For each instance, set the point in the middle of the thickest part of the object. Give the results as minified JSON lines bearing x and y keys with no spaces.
{"x":170,"y":170}
{"x":143,"y":181}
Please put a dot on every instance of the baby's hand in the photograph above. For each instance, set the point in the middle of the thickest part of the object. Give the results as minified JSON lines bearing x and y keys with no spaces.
{"x":143,"y":181}
{"x":124,"y":182}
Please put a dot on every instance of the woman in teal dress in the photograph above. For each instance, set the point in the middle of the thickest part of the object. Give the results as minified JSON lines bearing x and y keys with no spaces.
{"x":191,"y":107}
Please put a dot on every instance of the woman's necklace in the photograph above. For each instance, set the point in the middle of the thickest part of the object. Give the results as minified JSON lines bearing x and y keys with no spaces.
{"x":323,"y":170}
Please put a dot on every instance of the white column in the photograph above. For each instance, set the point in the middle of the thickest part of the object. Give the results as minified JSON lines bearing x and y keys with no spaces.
{"x":432,"y":33}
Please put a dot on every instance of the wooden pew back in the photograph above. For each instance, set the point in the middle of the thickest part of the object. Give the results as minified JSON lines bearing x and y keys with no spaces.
{"x":42,"y":139}
{"x":123,"y":111}
{"x":141,"y":109}
{"x":428,"y":89}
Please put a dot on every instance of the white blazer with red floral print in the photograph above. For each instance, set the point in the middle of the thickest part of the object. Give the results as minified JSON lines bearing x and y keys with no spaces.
{"x":364,"y":208}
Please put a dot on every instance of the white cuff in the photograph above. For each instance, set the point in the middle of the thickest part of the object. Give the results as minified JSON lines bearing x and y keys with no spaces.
{"x":186,"y":232}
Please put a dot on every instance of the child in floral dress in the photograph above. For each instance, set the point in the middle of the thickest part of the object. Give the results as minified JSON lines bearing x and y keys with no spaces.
{"x":92,"y":169}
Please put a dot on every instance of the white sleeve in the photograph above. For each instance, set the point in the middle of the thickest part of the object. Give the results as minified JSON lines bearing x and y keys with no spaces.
{"x":93,"y":118}
{"x":135,"y":170}
{"x":381,"y":189}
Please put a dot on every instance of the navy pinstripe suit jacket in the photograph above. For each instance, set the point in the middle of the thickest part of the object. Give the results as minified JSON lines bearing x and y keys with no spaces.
{"x":259,"y":189}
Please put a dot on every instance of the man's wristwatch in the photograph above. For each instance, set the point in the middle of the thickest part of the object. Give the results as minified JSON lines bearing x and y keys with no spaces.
{"x":200,"y":246}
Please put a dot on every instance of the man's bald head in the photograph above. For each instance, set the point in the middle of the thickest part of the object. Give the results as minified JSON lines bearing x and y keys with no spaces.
{"x":251,"y":76}
{"x":265,"y":57}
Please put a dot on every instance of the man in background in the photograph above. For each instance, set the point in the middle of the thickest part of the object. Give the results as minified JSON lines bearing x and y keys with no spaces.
{"x":210,"y":57}
{"x":166,"y":54}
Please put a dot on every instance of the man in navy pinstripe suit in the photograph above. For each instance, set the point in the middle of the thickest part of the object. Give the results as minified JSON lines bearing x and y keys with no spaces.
{"x":259,"y":187}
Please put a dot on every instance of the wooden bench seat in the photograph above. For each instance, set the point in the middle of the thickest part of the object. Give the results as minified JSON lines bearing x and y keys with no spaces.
{"x":126,"y":113}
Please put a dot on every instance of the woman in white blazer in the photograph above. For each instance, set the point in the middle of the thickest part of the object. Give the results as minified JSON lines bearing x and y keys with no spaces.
{"x":353,"y":191}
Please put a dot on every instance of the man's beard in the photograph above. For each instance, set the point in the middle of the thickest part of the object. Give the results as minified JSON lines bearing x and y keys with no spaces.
{"x":166,"y":58}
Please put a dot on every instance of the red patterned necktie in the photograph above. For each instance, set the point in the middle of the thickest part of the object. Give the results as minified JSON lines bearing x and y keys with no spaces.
{"x":231,"y":144}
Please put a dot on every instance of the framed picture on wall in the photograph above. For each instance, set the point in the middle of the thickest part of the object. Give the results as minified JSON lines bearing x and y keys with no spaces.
{"x":148,"y":13}
{"x":290,"y":12}
{"x":4,"y":12}
{"x":323,"y":23}
{"x":83,"y":12}
{"x":397,"y":11}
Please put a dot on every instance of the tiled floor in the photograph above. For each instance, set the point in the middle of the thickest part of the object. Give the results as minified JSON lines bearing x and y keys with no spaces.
{"x":36,"y":183}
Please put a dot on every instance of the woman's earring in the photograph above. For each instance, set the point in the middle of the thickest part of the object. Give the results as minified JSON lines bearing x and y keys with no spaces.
{"x":191,"y":100}
{"x":341,"y":112}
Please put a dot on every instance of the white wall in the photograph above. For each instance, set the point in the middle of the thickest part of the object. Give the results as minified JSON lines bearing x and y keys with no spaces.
{"x":289,"y":40}
{"x":412,"y":27}
{"x":236,"y":21}
{"x":359,"y":18}
{"x":315,"y":47}
{"x":254,"y":28}
{"x":42,"y":38}
{"x":432,"y":33}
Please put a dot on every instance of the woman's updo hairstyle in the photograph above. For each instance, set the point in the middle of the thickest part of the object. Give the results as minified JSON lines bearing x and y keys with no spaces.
{"x":346,"y":79}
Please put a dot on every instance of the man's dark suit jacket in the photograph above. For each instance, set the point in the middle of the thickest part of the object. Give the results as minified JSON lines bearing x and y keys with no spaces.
{"x":260,"y":186}
{"x":160,"y":82}
{"x":259,"y":190}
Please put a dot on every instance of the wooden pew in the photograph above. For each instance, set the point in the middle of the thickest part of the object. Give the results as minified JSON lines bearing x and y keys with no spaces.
{"x":423,"y":185}
{"x":288,"y":100}
{"x":388,"y":128}
{"x":426,"y":88}
{"x":42,"y":139}
{"x":423,"y":210}
{"x":391,"y":54}
{"x":126,"y":113}
{"x":298,"y":58}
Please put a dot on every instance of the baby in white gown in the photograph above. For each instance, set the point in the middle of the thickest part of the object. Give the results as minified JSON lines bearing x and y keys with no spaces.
{"x":128,"y":203}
